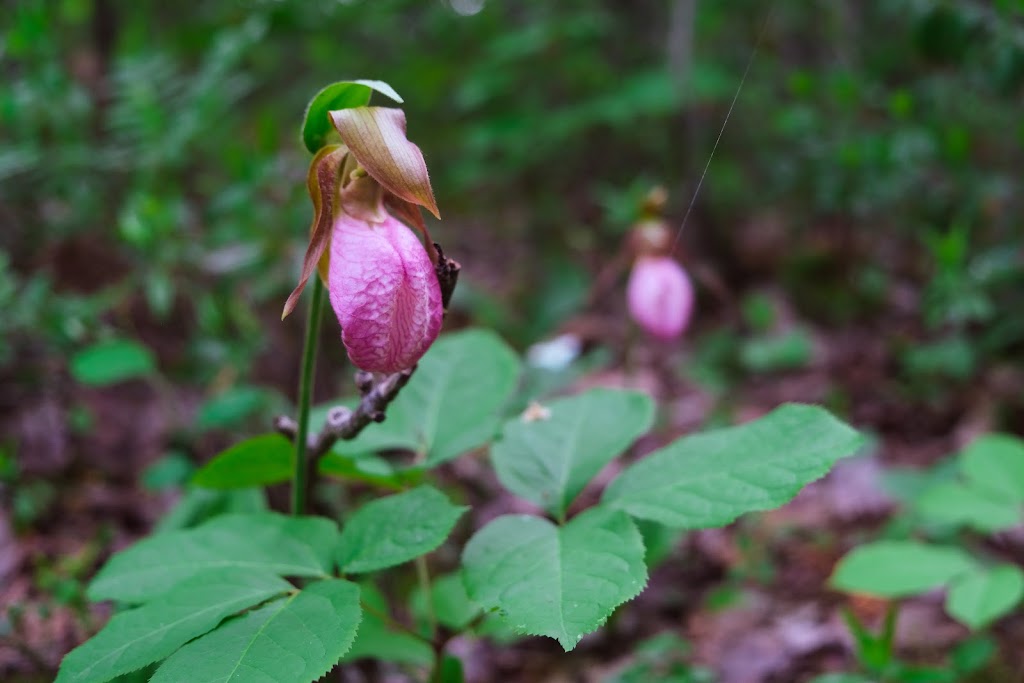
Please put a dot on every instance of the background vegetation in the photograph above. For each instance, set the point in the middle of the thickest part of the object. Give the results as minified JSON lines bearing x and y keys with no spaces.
{"x":857,"y":242}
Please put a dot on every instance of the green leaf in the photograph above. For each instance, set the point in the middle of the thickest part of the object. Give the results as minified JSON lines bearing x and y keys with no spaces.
{"x":996,"y":462}
{"x":396,"y":529}
{"x":663,"y":658}
{"x":317,"y":126}
{"x":496,"y":629}
{"x":905,"y":484}
{"x":979,"y":598}
{"x":294,"y":640}
{"x":949,"y":359}
{"x":112,"y":361}
{"x":286,"y":546}
{"x":710,"y":479}
{"x":377,"y":640}
{"x":759,"y":311}
{"x":912,"y":673}
{"x":198,"y":505}
{"x":171,"y":471}
{"x":550,"y":458}
{"x":451,"y":670}
{"x":561,"y":582}
{"x":367,"y":468}
{"x":954,"y":503}
{"x":770,"y":353}
{"x":896,"y":569}
{"x":148,"y":634}
{"x":451,"y":606}
{"x":258,"y":461}
{"x":659,"y":541}
{"x":452,"y":403}
{"x":140,"y":676}
{"x":874,"y":652}
{"x":972,"y":654}
{"x":232,"y":407}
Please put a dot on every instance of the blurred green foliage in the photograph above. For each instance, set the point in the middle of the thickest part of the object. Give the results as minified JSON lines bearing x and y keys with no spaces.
{"x":664,"y":658}
{"x":152,"y":174}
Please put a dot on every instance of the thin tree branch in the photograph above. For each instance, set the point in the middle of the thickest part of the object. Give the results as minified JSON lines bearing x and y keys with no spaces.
{"x":344,"y":423}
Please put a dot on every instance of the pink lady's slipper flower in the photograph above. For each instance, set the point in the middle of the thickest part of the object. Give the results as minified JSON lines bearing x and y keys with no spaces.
{"x":660,"y":296}
{"x":384,"y":291}
{"x":381,"y":281}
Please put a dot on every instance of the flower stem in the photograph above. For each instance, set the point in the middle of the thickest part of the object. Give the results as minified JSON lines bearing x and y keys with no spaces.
{"x":300,"y":483}
{"x":423,"y":573}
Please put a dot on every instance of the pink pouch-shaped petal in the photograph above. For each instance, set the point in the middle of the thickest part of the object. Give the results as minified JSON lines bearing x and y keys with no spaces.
{"x":660,"y":296}
{"x":385,"y":293}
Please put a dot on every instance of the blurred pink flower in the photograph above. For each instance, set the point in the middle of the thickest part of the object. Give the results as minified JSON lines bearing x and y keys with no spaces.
{"x":384,"y":291}
{"x":660,"y":296}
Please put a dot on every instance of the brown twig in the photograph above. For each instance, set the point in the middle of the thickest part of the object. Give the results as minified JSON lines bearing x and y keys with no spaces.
{"x":344,"y":423}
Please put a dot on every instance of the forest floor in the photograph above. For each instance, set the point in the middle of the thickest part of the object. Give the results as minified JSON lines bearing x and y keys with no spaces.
{"x":751,"y":600}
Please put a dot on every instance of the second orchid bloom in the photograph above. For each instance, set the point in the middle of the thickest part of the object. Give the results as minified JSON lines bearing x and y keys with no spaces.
{"x":659,"y":294}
